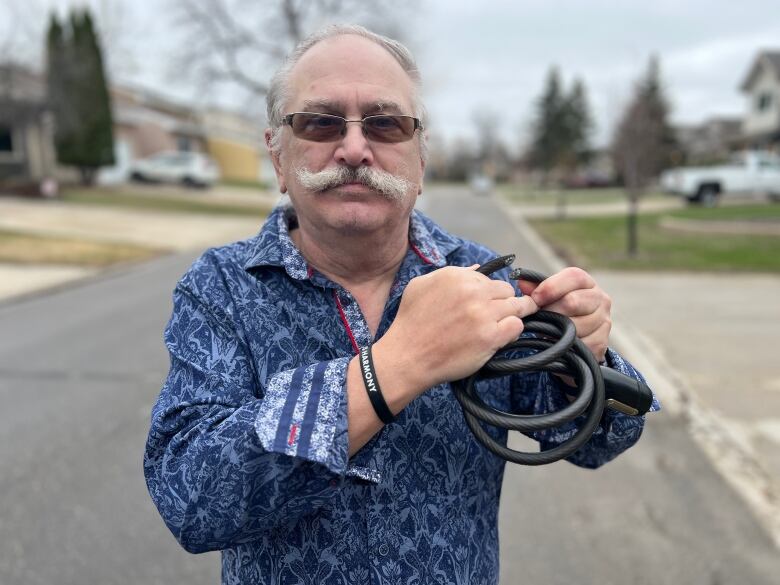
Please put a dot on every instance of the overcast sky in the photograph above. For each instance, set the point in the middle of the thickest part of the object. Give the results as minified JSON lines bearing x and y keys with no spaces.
{"x":495,"y":54}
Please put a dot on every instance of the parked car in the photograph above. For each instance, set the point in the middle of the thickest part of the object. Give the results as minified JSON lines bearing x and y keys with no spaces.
{"x":192,"y":169}
{"x":481,"y":185}
{"x":747,"y":173}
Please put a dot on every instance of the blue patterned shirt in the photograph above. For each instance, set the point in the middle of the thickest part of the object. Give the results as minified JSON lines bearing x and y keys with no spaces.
{"x":247,"y":451}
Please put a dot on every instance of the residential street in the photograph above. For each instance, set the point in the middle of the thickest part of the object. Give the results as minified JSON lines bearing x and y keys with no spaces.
{"x":81,"y":368}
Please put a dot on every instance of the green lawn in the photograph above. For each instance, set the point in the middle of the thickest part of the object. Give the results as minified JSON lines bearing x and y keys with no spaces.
{"x":20,"y":248}
{"x":245,"y":184}
{"x":164,"y":203}
{"x":600,"y":242}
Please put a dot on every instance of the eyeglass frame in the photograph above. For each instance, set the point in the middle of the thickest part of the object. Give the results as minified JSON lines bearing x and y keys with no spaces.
{"x":418,"y":125}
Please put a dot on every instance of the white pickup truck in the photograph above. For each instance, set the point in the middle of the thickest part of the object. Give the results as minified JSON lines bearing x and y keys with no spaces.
{"x":747,"y":173}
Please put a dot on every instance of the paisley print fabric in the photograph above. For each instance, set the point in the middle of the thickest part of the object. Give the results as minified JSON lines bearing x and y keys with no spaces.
{"x":247,"y":451}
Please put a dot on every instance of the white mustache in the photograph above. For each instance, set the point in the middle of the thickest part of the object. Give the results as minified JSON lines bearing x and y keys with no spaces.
{"x":384,"y":183}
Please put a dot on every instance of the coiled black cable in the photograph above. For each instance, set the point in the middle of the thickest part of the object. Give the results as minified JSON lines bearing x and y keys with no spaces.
{"x":559,"y":351}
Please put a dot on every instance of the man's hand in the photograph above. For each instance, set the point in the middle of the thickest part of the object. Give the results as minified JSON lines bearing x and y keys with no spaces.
{"x":574,"y":293}
{"x":451,"y":322}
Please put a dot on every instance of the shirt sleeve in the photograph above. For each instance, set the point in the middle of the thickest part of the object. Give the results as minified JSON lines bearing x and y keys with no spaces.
{"x":542,"y":393}
{"x":227,"y":461}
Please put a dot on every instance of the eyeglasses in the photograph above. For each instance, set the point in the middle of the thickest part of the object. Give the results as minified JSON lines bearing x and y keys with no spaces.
{"x":330,"y":128}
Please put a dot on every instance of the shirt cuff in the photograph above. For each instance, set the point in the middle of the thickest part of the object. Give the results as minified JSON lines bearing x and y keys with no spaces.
{"x":304,"y":414}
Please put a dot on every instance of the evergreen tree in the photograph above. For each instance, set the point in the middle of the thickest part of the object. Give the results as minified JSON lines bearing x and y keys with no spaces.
{"x":56,"y":79}
{"x":78,"y":95}
{"x":549,"y":130}
{"x":561,"y":132}
{"x":579,"y":124}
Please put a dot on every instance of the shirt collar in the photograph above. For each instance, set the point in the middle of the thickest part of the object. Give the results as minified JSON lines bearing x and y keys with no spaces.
{"x":273,"y":246}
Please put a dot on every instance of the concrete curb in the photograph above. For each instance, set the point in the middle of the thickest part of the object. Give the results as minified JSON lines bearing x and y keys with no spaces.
{"x":725,"y":444}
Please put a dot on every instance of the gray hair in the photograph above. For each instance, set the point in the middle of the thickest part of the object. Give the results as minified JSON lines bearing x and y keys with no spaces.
{"x":279,"y":90}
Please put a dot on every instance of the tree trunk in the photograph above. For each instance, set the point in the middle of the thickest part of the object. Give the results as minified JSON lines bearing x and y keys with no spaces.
{"x":87,"y":176}
{"x":632,"y":224}
{"x":561,"y":204}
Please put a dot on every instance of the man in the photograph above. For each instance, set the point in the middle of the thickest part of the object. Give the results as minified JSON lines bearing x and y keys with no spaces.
{"x":268,"y":440}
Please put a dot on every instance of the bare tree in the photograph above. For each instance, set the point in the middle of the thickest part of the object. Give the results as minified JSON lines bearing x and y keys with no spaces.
{"x":490,"y":148}
{"x":642,"y":144}
{"x":119,"y":34}
{"x":21,"y":33}
{"x":240,"y":42}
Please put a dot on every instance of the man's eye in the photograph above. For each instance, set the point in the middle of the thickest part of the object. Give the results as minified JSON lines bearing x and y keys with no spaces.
{"x":384,"y":122}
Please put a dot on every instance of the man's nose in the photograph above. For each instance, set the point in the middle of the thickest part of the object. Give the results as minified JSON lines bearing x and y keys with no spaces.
{"x":354,"y":148}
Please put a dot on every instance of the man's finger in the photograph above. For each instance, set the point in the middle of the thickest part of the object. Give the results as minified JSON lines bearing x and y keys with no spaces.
{"x":560,"y":284}
{"x":514,"y":306}
{"x":500,"y":289}
{"x":598,"y":341}
{"x":509,"y":329}
{"x":577,"y":303}
{"x":587,"y":324}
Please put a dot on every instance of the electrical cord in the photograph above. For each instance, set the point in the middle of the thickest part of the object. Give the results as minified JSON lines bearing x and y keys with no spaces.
{"x":559,"y":351}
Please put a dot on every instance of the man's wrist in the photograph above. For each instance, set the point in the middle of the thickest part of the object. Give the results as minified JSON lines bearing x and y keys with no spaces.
{"x":373,"y":388}
{"x":401,"y":382}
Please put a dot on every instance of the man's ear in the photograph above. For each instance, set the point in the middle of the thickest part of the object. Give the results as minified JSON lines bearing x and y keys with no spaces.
{"x":274,"y":156}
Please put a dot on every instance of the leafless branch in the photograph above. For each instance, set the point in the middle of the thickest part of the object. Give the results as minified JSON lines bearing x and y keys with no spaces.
{"x":242,"y":41}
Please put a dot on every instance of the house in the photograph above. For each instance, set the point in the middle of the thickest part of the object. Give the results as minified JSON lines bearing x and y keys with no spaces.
{"x":761,"y":126}
{"x":27,"y":154}
{"x":235,"y":141}
{"x":146,"y":122}
{"x":711,"y":141}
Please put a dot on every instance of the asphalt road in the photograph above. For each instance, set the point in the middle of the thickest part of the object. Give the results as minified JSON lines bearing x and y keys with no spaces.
{"x":81,"y":368}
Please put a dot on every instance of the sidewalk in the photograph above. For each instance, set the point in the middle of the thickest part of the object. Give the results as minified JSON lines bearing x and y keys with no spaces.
{"x":17,"y":280}
{"x":708,"y":345}
{"x":574,"y":209}
{"x":167,"y":231}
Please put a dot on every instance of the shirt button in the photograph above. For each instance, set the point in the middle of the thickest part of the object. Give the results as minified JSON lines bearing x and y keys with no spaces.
{"x":384,"y":549}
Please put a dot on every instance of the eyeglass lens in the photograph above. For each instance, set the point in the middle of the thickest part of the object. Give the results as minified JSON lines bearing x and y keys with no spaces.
{"x":327,"y":128}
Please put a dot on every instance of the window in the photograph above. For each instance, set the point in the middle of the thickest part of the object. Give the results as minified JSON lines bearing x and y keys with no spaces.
{"x":769,"y":162}
{"x":6,"y":139}
{"x":763,"y":101}
{"x":183,"y":143}
{"x":737,"y":160}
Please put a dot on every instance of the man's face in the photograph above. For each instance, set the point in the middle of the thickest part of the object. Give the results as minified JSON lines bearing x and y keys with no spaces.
{"x":352,"y":77}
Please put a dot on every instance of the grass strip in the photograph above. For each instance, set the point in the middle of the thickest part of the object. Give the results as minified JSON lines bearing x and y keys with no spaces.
{"x":245,"y":184}
{"x":21,"y":248}
{"x":163,"y":203}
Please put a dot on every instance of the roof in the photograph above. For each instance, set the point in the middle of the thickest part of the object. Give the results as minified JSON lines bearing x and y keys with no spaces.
{"x":21,"y":84}
{"x":770,"y":59}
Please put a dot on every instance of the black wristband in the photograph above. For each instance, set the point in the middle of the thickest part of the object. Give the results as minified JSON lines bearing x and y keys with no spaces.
{"x":372,"y":386}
